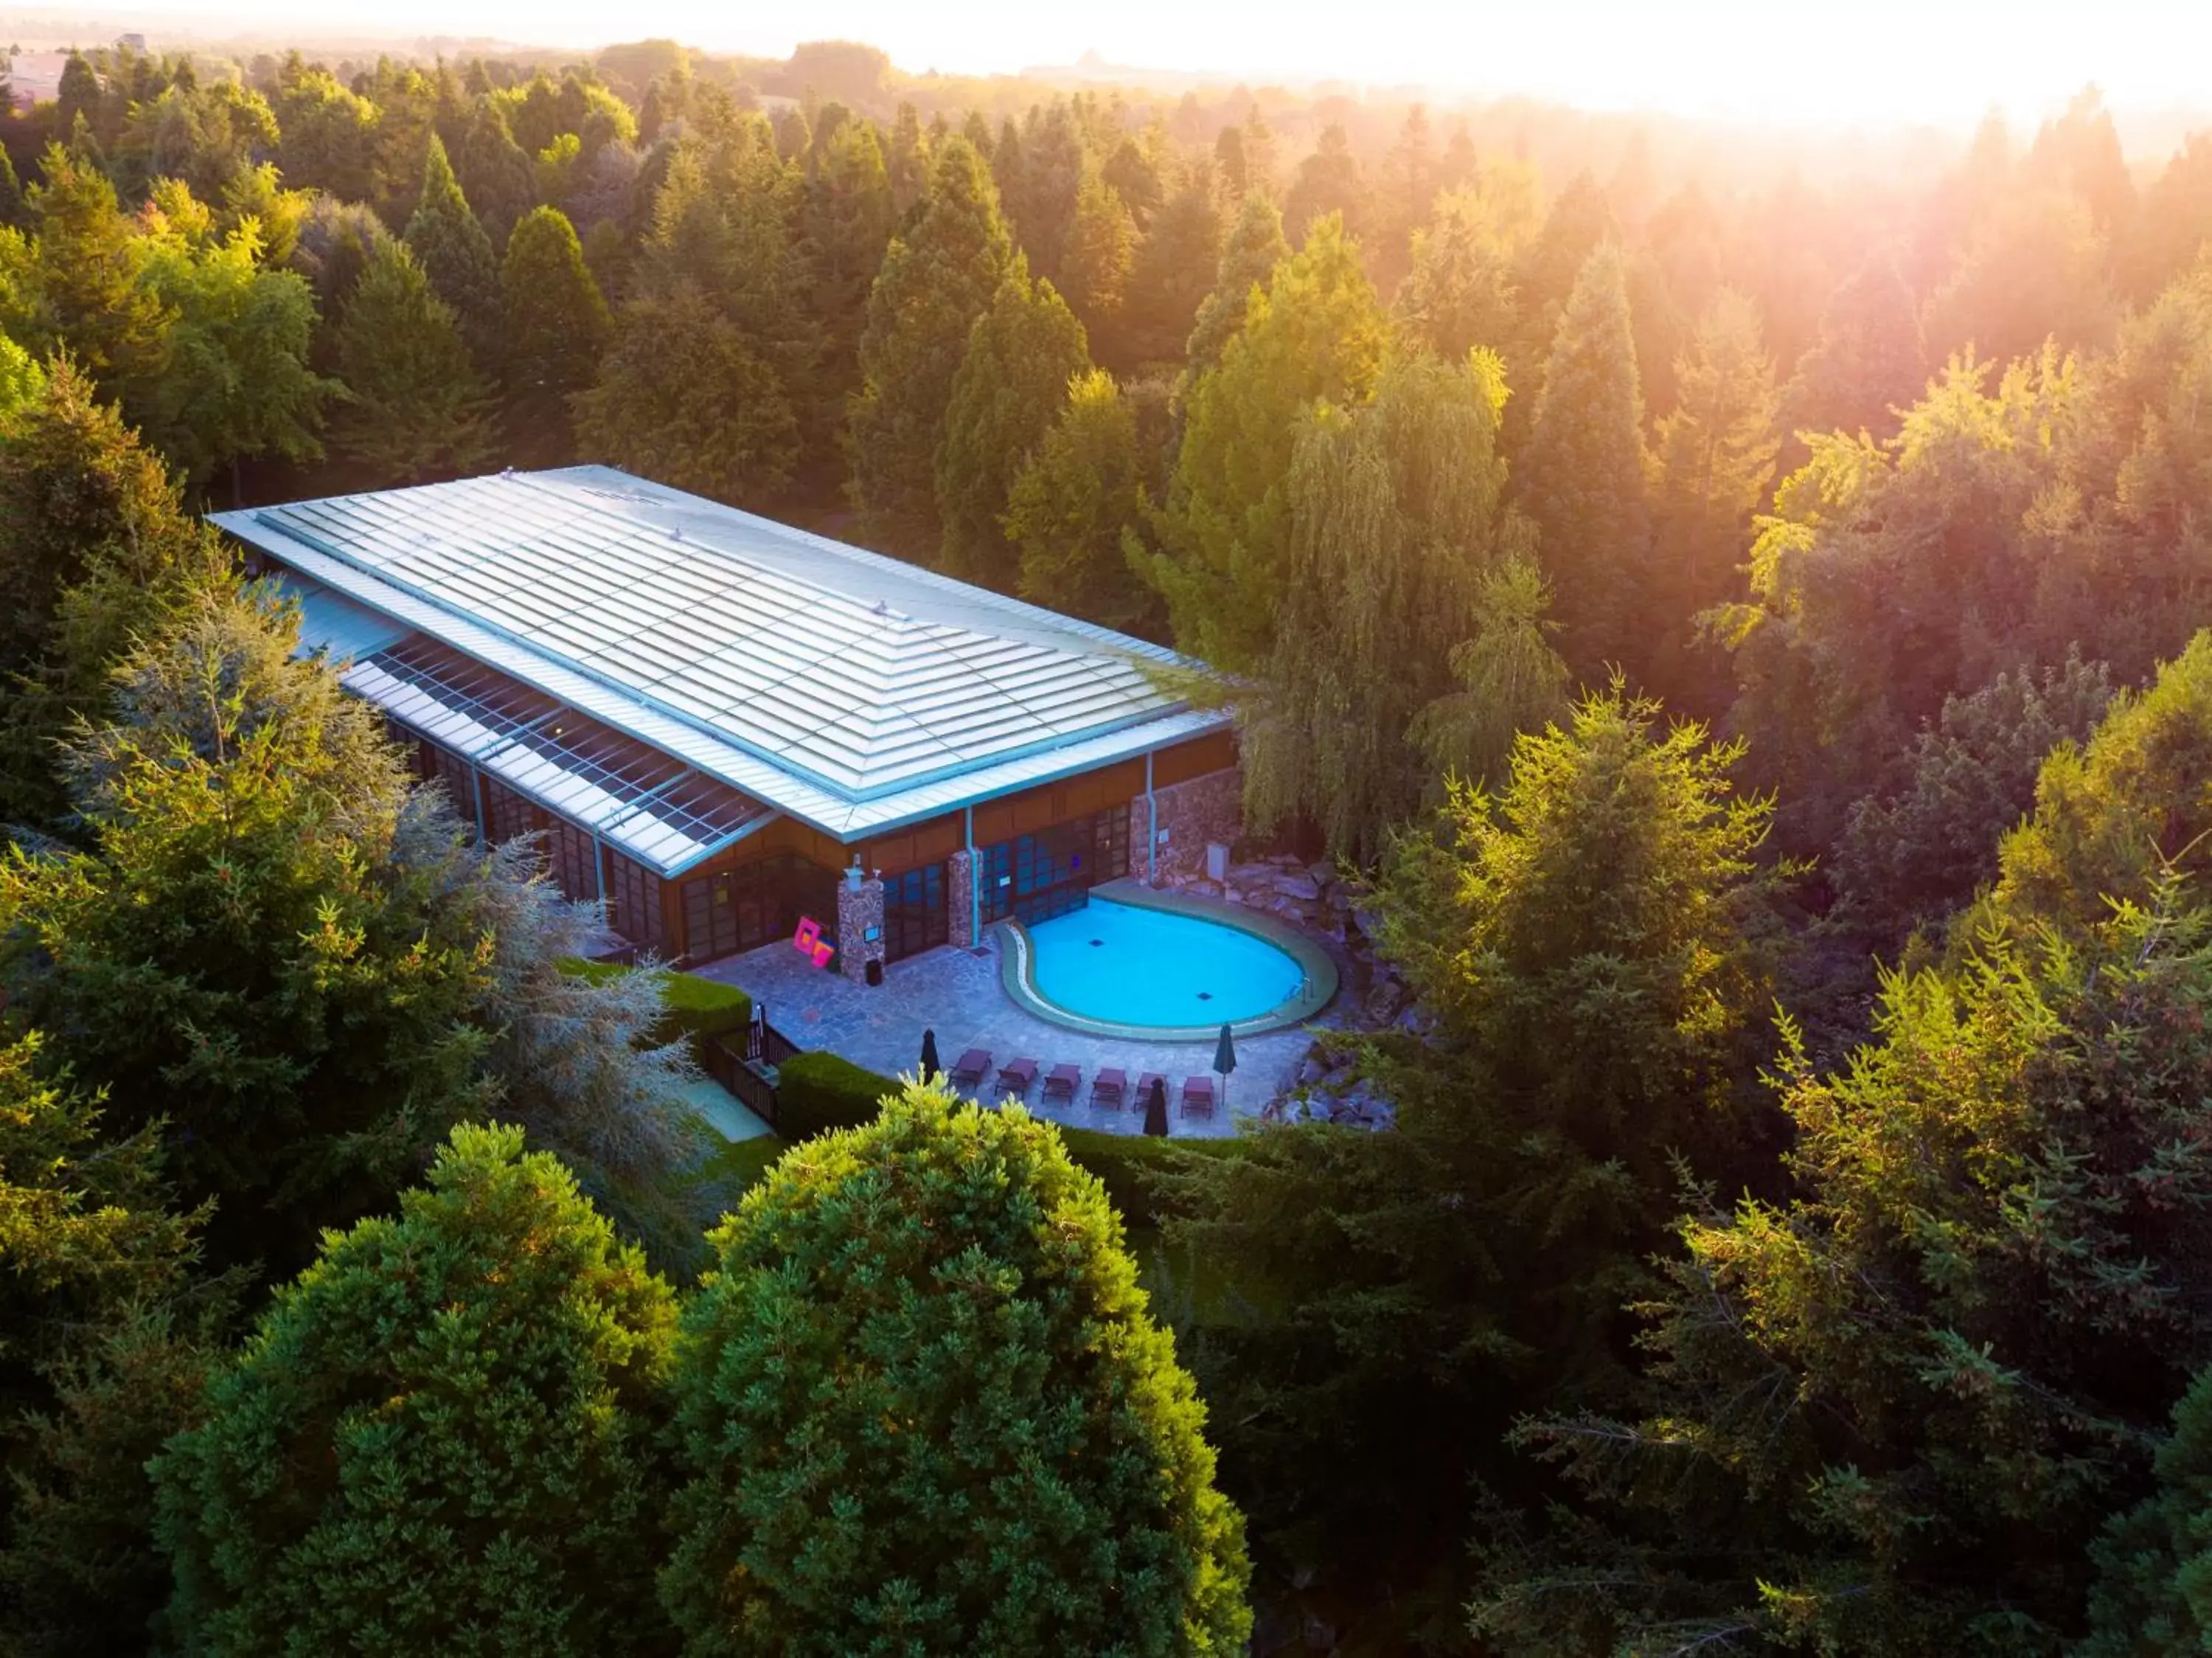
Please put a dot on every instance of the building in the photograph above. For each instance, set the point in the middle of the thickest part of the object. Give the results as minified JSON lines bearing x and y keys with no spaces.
{"x":723,"y":727}
{"x":35,"y":78}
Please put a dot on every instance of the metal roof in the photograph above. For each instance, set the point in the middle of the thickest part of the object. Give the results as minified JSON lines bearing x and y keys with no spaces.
{"x":657,"y":809}
{"x":851,"y":691}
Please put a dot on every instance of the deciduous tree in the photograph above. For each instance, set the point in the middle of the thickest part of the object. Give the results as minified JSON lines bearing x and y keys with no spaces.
{"x":1396,"y":507}
{"x":1317,"y":333}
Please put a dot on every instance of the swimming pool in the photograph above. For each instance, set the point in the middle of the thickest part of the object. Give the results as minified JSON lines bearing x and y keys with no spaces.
{"x":1165,"y":968}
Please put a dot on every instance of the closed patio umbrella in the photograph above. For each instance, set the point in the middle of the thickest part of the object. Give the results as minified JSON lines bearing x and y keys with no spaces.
{"x":1156,"y":1108}
{"x":930,"y":1067}
{"x":1224,"y":1060}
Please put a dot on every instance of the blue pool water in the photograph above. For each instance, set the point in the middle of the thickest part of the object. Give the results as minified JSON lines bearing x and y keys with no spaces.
{"x":1140,"y":966}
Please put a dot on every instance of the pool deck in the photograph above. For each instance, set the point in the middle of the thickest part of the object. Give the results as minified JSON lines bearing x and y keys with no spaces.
{"x":959,"y":995}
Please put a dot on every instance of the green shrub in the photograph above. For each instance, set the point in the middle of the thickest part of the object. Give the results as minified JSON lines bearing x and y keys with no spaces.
{"x":924,"y":1408}
{"x":817,"y":1092}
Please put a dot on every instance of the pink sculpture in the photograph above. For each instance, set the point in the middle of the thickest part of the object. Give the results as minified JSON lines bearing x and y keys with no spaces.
{"x":809,"y":943}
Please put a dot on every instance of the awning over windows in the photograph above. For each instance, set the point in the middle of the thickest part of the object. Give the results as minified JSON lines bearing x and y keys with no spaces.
{"x":638,"y":799}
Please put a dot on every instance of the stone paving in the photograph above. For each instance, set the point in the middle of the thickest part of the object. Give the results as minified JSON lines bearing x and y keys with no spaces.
{"x":957,"y":994}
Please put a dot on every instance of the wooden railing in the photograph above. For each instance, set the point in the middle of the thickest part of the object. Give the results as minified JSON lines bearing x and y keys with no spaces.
{"x":745,"y":1063}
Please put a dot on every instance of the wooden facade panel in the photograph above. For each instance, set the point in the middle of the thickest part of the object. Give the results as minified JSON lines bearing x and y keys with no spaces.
{"x":1213,"y":752}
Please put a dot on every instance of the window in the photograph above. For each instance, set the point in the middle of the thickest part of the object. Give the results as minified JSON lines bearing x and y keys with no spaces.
{"x":913,"y":913}
{"x":634,"y":892}
{"x":755,"y":904}
{"x":1036,"y":877}
{"x":573,"y":857}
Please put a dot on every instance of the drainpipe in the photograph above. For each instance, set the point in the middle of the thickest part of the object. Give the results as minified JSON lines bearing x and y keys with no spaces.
{"x":1151,"y":828}
{"x":599,"y":872}
{"x":974,"y":886}
{"x":476,"y":798}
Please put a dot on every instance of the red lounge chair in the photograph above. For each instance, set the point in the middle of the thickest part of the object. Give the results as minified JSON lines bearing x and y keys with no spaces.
{"x":969,"y":1070}
{"x":1145,"y":1088}
{"x":1107,"y":1087}
{"x":1198,"y":1096}
{"x":1062,"y":1082}
{"x":1015,"y":1077}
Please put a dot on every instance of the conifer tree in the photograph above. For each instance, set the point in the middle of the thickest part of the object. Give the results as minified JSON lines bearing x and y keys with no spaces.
{"x":1101,"y":247}
{"x":936,"y":279}
{"x":415,"y":408}
{"x":88,"y":259}
{"x":1070,"y":504}
{"x":1581,"y":476}
{"x":13,"y":210}
{"x":684,"y":398}
{"x":1255,"y":247}
{"x":1317,"y":333}
{"x":446,"y":1425}
{"x":1578,"y":223}
{"x":96,"y":551}
{"x":1866,"y":367}
{"x":710,"y":382}
{"x":1328,"y":181}
{"x":557,"y":327}
{"x":92,"y":1259}
{"x":22,"y":382}
{"x":2147,"y":1601}
{"x":1011,"y":383}
{"x":454,"y":253}
{"x":1396,"y":507}
{"x":1173,"y":271}
{"x":1581,"y":943}
{"x":1713,"y":463}
{"x":1459,"y":293}
{"x":493,"y":172}
{"x":846,"y":225}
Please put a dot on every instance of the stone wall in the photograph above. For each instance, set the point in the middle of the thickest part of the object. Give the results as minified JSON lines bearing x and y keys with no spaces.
{"x":960,"y":897}
{"x":1192,"y":814}
{"x":859,"y":912}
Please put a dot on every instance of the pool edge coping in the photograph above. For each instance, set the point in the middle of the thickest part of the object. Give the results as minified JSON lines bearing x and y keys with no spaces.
{"x":1017,"y":968}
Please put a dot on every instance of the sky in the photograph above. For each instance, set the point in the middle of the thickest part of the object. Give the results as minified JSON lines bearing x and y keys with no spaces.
{"x":1862,"y":62}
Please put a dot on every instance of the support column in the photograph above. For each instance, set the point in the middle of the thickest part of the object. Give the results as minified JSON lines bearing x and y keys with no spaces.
{"x":960,"y":897}
{"x":1151,"y":828}
{"x":860,"y":927}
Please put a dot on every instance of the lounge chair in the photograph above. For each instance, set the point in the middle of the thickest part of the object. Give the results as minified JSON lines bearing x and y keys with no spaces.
{"x":1145,"y":1088}
{"x":1107,"y":1087}
{"x":1198,"y":1096}
{"x":1062,"y":1082}
{"x":969,"y":1070}
{"x":1015,"y":1077}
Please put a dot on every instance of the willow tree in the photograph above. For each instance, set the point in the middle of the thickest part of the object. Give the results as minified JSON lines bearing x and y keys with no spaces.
{"x":1394,"y":507}
{"x":1317,"y":333}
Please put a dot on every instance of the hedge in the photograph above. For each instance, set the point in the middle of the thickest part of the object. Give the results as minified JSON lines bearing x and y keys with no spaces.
{"x":818,"y":1091}
{"x":699,"y":1008}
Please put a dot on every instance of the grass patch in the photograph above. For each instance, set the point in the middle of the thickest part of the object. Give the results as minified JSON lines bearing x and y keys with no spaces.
{"x":739,"y":1163}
